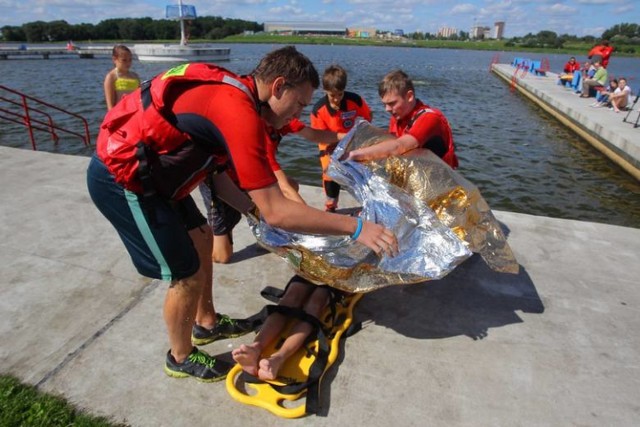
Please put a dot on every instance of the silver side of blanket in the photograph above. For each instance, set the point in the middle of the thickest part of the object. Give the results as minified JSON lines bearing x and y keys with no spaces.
{"x":439,"y":218}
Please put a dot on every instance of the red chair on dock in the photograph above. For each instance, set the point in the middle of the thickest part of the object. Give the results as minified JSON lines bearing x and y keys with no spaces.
{"x":540,"y":68}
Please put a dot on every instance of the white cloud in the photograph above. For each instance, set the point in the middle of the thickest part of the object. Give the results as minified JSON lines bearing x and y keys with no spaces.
{"x":623,"y":9}
{"x":599,"y":2}
{"x":286,"y":9}
{"x":463,"y":8}
{"x":557,"y":9}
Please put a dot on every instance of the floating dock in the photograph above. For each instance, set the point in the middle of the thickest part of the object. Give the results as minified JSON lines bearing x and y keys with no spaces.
{"x":604,"y":129}
{"x":50,"y":53}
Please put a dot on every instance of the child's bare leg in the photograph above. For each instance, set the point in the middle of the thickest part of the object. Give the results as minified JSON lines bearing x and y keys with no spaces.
{"x":268,"y":368}
{"x":317,"y":302}
{"x":222,"y":249}
{"x":248,"y":355}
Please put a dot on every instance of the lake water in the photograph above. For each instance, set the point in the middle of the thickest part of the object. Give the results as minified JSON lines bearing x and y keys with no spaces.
{"x":522,"y":159}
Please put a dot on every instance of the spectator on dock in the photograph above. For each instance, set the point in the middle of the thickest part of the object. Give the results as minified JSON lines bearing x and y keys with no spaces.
{"x":599,"y":79}
{"x":601,"y":52}
{"x":413,"y":123}
{"x":621,"y":97}
{"x":121,"y":80}
{"x":586,"y":71}
{"x":602,"y":96}
{"x":567,"y":71}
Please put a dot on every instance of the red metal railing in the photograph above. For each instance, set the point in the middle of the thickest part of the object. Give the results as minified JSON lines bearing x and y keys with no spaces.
{"x":522,"y":69}
{"x":23,"y":116}
{"x":494,"y":60}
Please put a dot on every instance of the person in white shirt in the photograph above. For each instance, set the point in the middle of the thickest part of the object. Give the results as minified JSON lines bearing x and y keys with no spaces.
{"x":621,"y":97}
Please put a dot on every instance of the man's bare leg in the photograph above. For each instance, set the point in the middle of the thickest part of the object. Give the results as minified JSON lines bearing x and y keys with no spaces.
{"x":206,"y":313}
{"x":180,"y":308}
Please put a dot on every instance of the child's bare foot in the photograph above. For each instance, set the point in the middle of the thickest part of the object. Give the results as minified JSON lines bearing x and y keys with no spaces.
{"x":247,"y":356}
{"x":268,"y":368}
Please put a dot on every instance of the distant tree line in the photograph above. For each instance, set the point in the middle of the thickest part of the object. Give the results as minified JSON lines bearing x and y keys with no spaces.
{"x":624,"y":36}
{"x":627,"y":35}
{"x":206,"y":27}
{"x":419,"y":35}
{"x":623,"y":33}
{"x":620,"y":34}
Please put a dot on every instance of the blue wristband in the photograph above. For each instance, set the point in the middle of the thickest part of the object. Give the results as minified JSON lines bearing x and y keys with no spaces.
{"x":356,"y":234}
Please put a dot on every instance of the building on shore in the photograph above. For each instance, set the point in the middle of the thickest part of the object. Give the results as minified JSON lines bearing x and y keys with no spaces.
{"x":361,"y":32}
{"x":498,"y":30}
{"x":327,"y":29}
{"x":484,"y":32}
{"x":479,"y":32}
{"x":306,"y":27}
{"x":447,"y":32}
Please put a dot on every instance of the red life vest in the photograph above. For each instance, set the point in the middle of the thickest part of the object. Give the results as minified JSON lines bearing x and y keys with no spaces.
{"x":144,"y":150}
{"x":449,"y":156}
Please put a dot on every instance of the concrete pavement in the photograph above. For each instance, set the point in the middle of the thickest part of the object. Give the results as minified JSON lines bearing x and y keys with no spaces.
{"x":554,"y":345}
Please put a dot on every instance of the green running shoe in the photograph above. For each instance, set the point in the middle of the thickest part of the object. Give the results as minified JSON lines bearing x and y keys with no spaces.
{"x":226,"y":327}
{"x":199,"y":365}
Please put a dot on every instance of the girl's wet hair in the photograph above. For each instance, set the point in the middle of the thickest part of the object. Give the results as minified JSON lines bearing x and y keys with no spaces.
{"x":119,"y":49}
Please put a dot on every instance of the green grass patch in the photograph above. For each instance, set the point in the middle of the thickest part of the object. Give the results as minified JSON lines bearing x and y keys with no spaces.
{"x":24,"y":405}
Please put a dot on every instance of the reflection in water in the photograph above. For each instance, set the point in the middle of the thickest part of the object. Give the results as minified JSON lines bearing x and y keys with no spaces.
{"x":521,"y":159}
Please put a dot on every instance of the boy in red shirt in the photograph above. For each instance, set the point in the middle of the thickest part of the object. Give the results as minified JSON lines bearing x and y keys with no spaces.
{"x":336,"y":111}
{"x":414,"y":124}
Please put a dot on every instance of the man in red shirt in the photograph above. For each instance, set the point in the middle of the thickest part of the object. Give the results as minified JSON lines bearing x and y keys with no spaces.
{"x":571,"y":66}
{"x":157,"y":144}
{"x":337,"y":112}
{"x":414,"y":124}
{"x":601,"y":52}
{"x":568,"y":71}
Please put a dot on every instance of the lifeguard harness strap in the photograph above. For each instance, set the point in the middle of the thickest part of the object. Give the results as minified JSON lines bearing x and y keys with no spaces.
{"x":144,"y":173}
{"x":418,"y":114}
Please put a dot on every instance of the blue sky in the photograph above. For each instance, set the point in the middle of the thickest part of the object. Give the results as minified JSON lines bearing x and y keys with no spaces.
{"x":579,"y":17}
